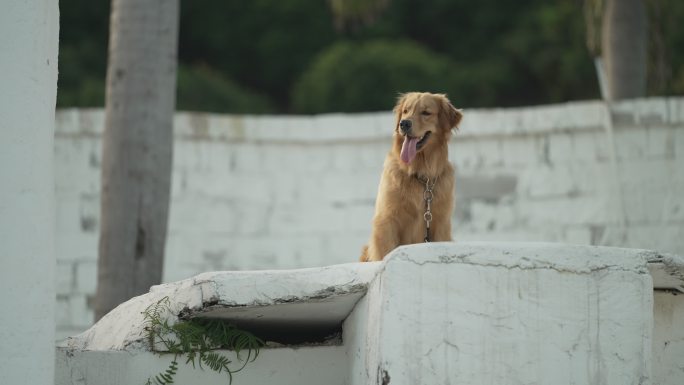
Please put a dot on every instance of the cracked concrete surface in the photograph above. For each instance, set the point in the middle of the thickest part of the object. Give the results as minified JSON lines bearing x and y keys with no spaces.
{"x":524,"y":256}
{"x":527,"y":313}
{"x":452,"y":313}
{"x":314,"y":298}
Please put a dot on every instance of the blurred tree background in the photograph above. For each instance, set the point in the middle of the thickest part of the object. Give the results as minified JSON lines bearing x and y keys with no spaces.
{"x":302,"y":56}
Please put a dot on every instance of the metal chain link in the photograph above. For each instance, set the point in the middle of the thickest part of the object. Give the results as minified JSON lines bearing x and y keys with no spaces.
{"x":428,"y":195}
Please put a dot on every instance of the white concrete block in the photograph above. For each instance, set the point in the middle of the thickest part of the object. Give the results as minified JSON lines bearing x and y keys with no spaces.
{"x":488,"y":217}
{"x":679,"y":142}
{"x":519,"y":152}
{"x":341,"y":189}
{"x":463,"y":154}
{"x":271,"y":128}
{"x":577,"y":235}
{"x":580,"y":210}
{"x":66,"y":121}
{"x":318,"y":219}
{"x":667,"y":238}
{"x":334,"y":127}
{"x":91,"y":121}
{"x":475,"y":154}
{"x":631,"y":144}
{"x":650,"y":176}
{"x":477,"y":314}
{"x":275,"y":158}
{"x":561,"y":149}
{"x":661,"y":142}
{"x":239,"y":187}
{"x":191,"y":254}
{"x":590,"y":147}
{"x":668,"y":338}
{"x":361,"y":156}
{"x":521,"y":233}
{"x":77,"y":163}
{"x":672,"y":206}
{"x":593,"y":178}
{"x":486,"y":121}
{"x":181,"y":249}
{"x":246,"y":157}
{"x":184,"y":216}
{"x":549,"y":182}
{"x":300,"y":158}
{"x":201,"y":156}
{"x":89,"y":213}
{"x":179,"y":182}
{"x":344,"y":248}
{"x":642,"y":206}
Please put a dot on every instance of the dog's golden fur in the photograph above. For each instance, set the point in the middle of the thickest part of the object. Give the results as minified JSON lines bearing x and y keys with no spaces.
{"x":399,"y":207}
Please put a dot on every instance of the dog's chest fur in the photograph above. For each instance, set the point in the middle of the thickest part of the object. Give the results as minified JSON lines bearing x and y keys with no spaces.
{"x":403,"y":195}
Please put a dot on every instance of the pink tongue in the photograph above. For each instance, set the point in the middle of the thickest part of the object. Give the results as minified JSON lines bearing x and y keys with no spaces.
{"x":408,"y":149}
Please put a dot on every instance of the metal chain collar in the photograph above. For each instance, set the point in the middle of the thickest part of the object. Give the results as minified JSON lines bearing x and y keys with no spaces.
{"x":427,"y":197}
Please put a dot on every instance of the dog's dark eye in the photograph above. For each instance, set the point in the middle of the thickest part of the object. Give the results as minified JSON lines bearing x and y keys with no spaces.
{"x":405,"y":111}
{"x":425,"y":113}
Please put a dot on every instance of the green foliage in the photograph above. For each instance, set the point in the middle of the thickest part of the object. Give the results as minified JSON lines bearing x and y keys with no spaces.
{"x":262,"y":44}
{"x":368,"y":76}
{"x":260,"y":56}
{"x":666,"y":65}
{"x":197,"y":340}
{"x":202,"y":88}
{"x":553,"y":61}
{"x":82,"y":53}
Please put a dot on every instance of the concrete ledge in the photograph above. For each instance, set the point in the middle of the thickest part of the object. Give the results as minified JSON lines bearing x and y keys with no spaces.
{"x":318,"y":298}
{"x":667,"y":271}
{"x":296,"y":366}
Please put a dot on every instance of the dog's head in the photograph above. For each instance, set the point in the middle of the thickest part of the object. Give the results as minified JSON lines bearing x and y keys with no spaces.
{"x":424,"y":120}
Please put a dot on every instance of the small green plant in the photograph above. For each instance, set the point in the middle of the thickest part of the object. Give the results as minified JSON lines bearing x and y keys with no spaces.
{"x":197,"y":340}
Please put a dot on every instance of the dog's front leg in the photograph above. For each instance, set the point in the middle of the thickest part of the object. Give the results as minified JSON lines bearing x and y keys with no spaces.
{"x":384,"y":239}
{"x":442,"y":233}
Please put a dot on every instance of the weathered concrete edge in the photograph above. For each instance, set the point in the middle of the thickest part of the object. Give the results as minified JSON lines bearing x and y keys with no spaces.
{"x":123,"y":327}
{"x":579,"y":259}
{"x":667,"y":271}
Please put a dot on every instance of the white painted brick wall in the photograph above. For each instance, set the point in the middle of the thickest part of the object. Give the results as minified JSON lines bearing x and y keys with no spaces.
{"x":252,"y":192}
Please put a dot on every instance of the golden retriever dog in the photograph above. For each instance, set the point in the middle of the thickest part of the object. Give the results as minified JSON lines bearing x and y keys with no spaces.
{"x":416,"y":193}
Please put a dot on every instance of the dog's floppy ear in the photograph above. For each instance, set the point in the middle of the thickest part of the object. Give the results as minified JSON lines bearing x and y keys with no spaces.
{"x":398,"y":108}
{"x":449,"y":115}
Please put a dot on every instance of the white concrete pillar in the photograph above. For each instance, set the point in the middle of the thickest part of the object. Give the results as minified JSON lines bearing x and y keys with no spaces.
{"x":28,"y":84}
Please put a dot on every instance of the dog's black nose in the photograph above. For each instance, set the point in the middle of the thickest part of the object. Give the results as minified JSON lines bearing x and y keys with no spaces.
{"x":405,"y":126}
